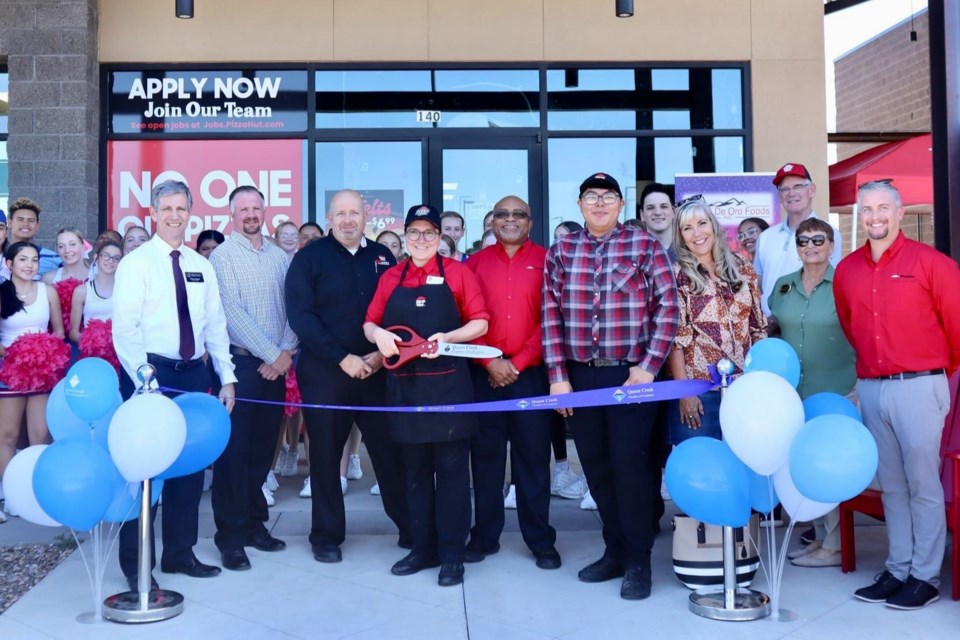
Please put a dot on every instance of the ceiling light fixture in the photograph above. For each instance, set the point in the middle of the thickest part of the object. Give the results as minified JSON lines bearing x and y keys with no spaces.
{"x":624,"y":8}
{"x":185,"y":9}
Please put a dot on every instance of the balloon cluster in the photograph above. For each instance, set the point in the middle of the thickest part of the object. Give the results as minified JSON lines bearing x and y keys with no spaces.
{"x":103,"y":448}
{"x":809,"y":455}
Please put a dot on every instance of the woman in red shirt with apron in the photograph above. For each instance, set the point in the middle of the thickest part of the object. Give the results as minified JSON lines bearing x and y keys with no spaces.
{"x":439,"y":299}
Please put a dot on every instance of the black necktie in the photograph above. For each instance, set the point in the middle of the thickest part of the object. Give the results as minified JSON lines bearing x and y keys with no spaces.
{"x":187,"y":345}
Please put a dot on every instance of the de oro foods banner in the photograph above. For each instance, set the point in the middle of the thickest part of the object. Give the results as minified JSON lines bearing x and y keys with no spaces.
{"x":212,"y":169}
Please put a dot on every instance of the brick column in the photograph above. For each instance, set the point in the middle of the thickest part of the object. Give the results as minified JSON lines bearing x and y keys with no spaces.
{"x":53,"y":145}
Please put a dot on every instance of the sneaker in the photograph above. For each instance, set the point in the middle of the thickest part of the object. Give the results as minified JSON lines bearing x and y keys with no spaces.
{"x":207,"y":479}
{"x":354,"y":472}
{"x":801,"y":551}
{"x":914,"y":594}
{"x":3,"y":516}
{"x":268,"y":495}
{"x":281,"y":458}
{"x":305,"y":491}
{"x":271,"y":482}
{"x":290,"y":459}
{"x":375,"y":489}
{"x":510,"y":500}
{"x":560,"y":478}
{"x":884,"y":585}
{"x":575,"y":490}
{"x":819,"y":558}
{"x":664,"y":492}
{"x":588,"y":504}
{"x":343,"y":485}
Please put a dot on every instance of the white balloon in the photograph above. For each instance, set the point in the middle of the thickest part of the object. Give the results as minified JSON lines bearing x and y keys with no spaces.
{"x":18,"y":487}
{"x":800,"y":508}
{"x":759,"y":416}
{"x":146,"y":435}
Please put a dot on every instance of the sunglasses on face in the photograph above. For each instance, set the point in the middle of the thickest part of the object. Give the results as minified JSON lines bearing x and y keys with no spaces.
{"x":503,"y":214}
{"x":817,"y":240}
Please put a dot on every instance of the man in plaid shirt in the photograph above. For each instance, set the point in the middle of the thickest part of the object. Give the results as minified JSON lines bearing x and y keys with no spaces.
{"x":610,"y":314}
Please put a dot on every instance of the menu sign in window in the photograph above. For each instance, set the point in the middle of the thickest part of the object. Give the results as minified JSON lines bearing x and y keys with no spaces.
{"x":207,"y":102}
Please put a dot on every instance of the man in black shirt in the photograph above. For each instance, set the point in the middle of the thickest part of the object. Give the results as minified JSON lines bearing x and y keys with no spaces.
{"x":329,"y":286}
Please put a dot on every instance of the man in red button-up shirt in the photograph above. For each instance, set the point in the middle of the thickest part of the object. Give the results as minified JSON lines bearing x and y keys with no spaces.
{"x":510,"y":274}
{"x":898,"y":305}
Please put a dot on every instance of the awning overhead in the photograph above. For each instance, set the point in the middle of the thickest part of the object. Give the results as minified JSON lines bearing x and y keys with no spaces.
{"x":908,"y":162}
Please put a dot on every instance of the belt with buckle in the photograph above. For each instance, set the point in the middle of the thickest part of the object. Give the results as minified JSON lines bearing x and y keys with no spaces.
{"x":909,"y":375}
{"x":606,"y":362}
{"x":240,"y":351}
{"x":176,"y":365}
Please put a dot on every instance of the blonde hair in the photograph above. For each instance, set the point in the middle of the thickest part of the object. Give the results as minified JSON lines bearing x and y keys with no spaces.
{"x":726,"y":262}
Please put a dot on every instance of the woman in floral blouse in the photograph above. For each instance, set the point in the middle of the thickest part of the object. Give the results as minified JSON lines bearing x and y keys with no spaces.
{"x":720,"y":315}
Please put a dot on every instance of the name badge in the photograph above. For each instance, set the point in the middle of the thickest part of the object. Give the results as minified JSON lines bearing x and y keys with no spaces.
{"x":193,"y":276}
{"x":434,"y":280}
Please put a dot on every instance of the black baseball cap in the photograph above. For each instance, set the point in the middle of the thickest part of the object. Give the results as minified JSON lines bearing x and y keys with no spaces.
{"x":600,"y":181}
{"x":422,"y":212}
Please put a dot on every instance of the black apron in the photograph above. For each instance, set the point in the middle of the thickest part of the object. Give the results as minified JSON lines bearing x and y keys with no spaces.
{"x":428,"y":309}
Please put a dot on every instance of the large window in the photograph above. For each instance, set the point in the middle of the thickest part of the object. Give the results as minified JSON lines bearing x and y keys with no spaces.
{"x":4,"y":119}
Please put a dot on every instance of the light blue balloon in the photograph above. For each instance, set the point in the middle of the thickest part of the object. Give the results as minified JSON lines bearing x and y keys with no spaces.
{"x":825,"y":403}
{"x":833,"y":458}
{"x":102,"y":426}
{"x":74,"y":482}
{"x":91,"y":388}
{"x":126,"y":499}
{"x":776,"y":356}
{"x":763,"y":497}
{"x":708,"y":482}
{"x":61,"y":420}
{"x":208,"y":431}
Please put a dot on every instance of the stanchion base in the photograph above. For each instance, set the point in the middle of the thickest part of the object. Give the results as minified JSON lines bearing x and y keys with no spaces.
{"x":748,"y":604}
{"x":126,"y":607}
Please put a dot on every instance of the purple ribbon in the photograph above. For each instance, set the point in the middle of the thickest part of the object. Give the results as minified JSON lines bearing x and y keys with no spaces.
{"x":652,"y":392}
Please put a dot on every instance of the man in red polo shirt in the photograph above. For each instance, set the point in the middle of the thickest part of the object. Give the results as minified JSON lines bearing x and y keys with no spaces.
{"x":897,"y":303}
{"x":510,"y":274}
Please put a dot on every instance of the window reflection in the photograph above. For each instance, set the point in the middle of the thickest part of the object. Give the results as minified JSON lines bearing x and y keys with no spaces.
{"x":727,"y":99}
{"x":570,"y":160}
{"x":4,"y":99}
{"x":672,"y":156}
{"x":388,"y":174}
{"x":728,"y":154}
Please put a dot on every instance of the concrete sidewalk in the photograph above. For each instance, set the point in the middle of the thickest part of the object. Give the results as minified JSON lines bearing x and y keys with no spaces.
{"x":289,"y":595}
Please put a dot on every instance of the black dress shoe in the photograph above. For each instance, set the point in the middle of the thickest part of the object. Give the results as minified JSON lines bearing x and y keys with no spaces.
{"x":547,"y":558}
{"x":636,"y":584}
{"x":405,"y":543}
{"x":451,"y":573}
{"x":604,"y":569}
{"x":477,"y":552}
{"x":414,"y":562}
{"x":132,"y":583}
{"x":327,"y":554}
{"x":265,"y":542}
{"x":235,"y":560}
{"x":194,"y":568}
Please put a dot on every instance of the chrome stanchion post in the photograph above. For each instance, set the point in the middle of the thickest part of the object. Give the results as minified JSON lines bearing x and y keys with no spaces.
{"x":144,"y":604}
{"x":729,"y":602}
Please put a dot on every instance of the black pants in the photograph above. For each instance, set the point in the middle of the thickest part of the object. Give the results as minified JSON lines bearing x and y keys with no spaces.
{"x":615,"y":447}
{"x":322,"y":384}
{"x":181,"y":496}
{"x":529,"y":433}
{"x":438,"y":495}
{"x":239,"y":506}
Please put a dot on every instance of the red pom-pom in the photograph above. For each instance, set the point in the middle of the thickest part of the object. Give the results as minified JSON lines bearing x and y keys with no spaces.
{"x":96,"y":341}
{"x":35,"y":362}
{"x":65,"y":293}
{"x":293,"y":393}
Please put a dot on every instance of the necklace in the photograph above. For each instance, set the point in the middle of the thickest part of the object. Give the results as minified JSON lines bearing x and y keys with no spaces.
{"x":23,"y":296}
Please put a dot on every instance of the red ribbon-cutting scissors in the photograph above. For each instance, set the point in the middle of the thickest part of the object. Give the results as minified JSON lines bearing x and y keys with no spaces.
{"x":416,"y":346}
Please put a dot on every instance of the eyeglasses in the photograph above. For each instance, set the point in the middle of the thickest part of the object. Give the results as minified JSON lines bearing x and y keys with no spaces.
{"x":113,"y":259}
{"x":288,"y":236}
{"x":797,"y":188}
{"x":690,"y":200}
{"x":817,"y":240}
{"x":415,"y":234}
{"x":886,"y":181}
{"x":751,"y":232}
{"x":593,"y":198}
{"x":519,"y":214}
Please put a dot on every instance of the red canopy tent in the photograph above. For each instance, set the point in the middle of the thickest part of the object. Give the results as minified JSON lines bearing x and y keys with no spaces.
{"x":909,"y":162}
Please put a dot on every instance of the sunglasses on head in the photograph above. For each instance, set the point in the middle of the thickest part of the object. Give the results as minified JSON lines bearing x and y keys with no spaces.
{"x":817,"y":240}
{"x":690,"y":200}
{"x":875,"y":182}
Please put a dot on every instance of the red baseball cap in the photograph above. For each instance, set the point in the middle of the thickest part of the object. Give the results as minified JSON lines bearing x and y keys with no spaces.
{"x":791,"y":169}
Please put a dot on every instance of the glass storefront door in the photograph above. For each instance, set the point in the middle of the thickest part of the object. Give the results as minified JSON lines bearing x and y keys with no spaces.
{"x":469,"y":176}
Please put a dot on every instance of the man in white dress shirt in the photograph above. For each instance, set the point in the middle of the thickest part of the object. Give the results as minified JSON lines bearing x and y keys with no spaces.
{"x":167,"y":311}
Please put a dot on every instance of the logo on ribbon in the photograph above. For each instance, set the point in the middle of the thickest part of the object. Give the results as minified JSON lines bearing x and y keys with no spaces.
{"x":619,"y":395}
